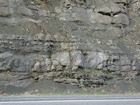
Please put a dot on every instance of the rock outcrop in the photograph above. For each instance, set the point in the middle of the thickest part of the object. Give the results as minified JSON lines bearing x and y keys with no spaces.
{"x":60,"y":35}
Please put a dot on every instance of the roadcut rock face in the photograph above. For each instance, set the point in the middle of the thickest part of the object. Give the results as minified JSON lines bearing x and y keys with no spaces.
{"x":56,"y":36}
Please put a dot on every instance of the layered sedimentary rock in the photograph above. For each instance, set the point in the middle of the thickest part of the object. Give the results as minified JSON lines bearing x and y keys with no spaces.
{"x":59,"y":35}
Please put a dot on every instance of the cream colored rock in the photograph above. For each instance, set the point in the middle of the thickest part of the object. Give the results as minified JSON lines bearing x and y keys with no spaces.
{"x":99,"y":18}
{"x":121,"y":19}
{"x":77,"y":59}
{"x":56,"y":65}
{"x":37,"y":67}
{"x":93,"y":59}
{"x":63,"y":58}
{"x":48,"y":64}
{"x":41,"y":36}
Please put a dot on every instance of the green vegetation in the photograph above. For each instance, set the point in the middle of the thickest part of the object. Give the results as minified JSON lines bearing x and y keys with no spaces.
{"x":82,"y":93}
{"x":65,"y":35}
{"x":94,"y":72}
{"x":125,"y":38}
{"x":101,"y":93}
{"x":130,"y":93}
{"x":58,"y":26}
{"x":129,"y":82}
{"x":42,"y":3}
{"x":93,"y":35}
{"x":67,"y":93}
{"x":38,"y":2}
{"x":6,"y":79}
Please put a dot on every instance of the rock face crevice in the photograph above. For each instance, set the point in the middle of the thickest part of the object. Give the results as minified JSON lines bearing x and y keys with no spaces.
{"x":47,"y":36}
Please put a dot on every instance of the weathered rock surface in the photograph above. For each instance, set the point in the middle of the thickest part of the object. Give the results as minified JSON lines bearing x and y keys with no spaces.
{"x":54,"y":36}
